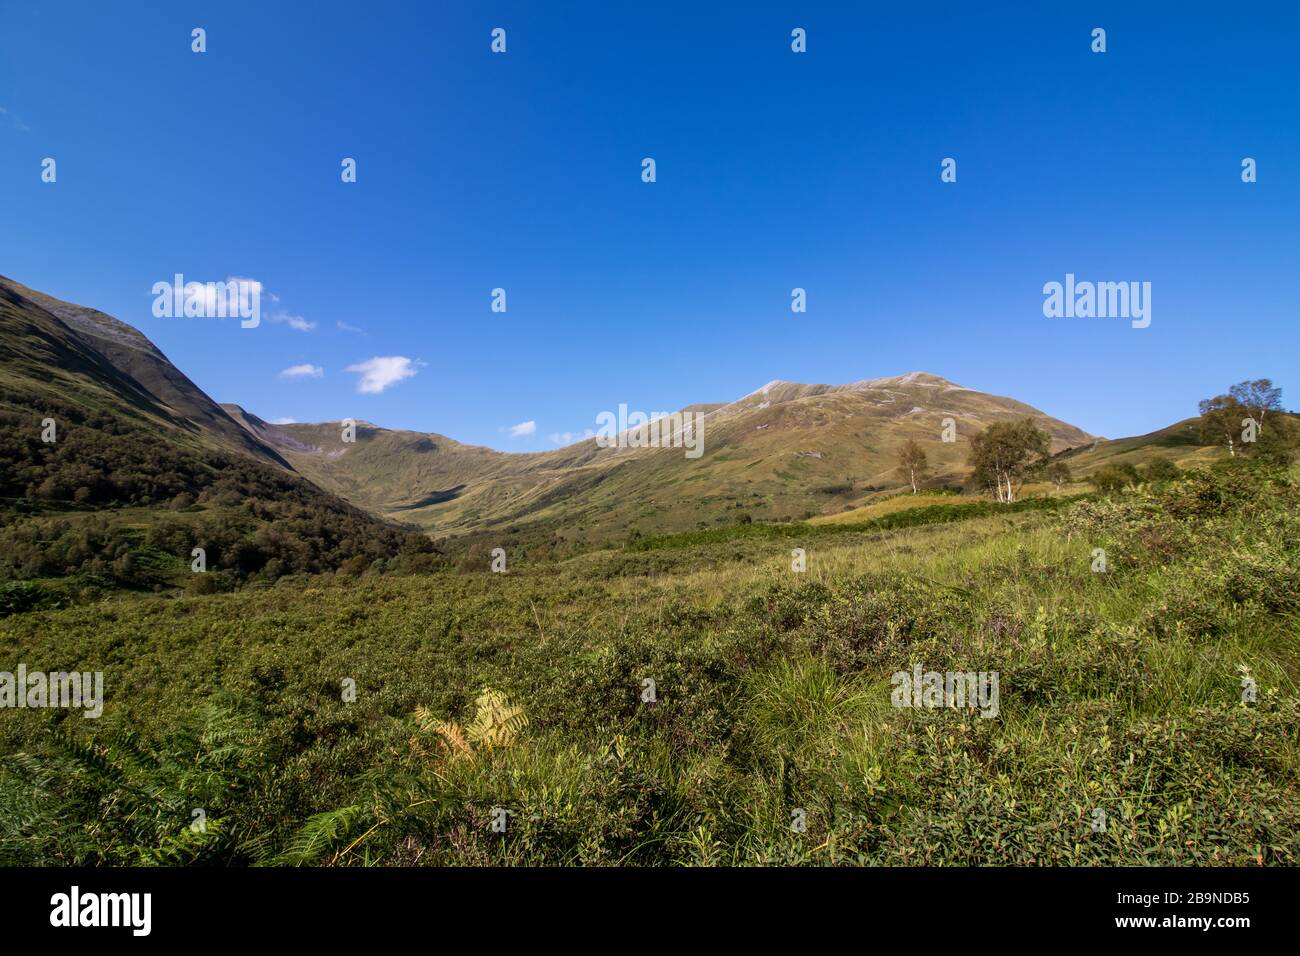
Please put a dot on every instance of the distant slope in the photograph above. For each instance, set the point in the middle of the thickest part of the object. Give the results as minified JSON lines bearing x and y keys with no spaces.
{"x":1180,"y":443}
{"x":72,"y":351}
{"x":786,"y":450}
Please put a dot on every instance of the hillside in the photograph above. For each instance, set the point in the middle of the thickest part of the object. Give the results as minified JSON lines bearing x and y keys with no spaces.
{"x":70,"y":352}
{"x":1179,"y":443}
{"x":144,"y":467}
{"x":786,"y":451}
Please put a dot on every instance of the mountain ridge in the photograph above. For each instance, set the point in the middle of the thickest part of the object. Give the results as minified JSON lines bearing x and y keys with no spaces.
{"x":782,"y":386}
{"x":784,"y":451}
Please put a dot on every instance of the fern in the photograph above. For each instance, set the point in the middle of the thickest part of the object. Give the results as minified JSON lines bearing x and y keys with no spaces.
{"x":318,"y":836}
{"x":186,"y":846}
{"x":134,"y":798}
{"x":497,"y":722}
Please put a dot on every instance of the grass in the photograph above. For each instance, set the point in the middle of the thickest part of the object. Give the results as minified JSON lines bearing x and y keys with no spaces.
{"x":1120,"y":692}
{"x":886,"y":504}
{"x":889,"y":520}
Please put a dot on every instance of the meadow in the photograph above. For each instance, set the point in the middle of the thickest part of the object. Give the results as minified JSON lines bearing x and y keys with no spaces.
{"x":505,"y":718}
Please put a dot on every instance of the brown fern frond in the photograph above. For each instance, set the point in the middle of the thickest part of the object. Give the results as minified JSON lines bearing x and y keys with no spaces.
{"x":497,"y":722}
{"x":454,"y":737}
{"x":449,"y":733}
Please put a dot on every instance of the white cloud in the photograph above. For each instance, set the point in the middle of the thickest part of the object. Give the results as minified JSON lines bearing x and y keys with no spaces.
{"x":206,"y":293}
{"x":15,"y":121}
{"x":523,"y":429}
{"x":284,"y":421}
{"x":256,"y":288}
{"x":306,"y":370}
{"x":293,"y":321}
{"x":381,"y":372}
{"x":344,"y":327}
{"x":254,"y":285}
{"x":568,"y":438}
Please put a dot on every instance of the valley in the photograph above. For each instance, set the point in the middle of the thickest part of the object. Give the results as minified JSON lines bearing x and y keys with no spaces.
{"x":406,"y":650}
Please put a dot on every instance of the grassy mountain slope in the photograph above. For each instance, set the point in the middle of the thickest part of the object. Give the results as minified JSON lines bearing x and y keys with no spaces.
{"x":143,"y":469}
{"x":1180,"y":443}
{"x":61,"y":349}
{"x":786,"y":451}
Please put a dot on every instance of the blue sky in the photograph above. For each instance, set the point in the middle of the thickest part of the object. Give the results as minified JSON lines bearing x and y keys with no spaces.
{"x":775,"y":170}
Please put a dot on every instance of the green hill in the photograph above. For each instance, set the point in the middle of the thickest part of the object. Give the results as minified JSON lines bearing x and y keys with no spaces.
{"x":784,"y":452}
{"x":1179,"y":443}
{"x":136,"y":432}
{"x":143,"y":468}
{"x":57,"y":351}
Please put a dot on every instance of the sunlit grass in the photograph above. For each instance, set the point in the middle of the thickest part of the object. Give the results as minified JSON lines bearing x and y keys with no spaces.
{"x":1120,"y":691}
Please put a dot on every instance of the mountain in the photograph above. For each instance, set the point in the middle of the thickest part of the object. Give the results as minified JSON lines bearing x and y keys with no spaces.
{"x":784,"y":451}
{"x":114,"y":466}
{"x":78,"y":354}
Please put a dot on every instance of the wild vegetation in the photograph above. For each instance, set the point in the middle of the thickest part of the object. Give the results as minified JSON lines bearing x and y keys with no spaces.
{"x":521,"y":699}
{"x":109,"y":504}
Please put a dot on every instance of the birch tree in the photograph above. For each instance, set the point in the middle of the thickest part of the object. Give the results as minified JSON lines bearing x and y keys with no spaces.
{"x":912,"y":463}
{"x":1221,"y":418}
{"x":1004,"y":453}
{"x":1058,"y":473}
{"x":1258,"y":398}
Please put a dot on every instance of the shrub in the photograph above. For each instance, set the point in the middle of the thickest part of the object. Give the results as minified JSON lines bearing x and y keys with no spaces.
{"x":202,"y":584}
{"x":1112,"y":478}
{"x":1160,"y":469}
